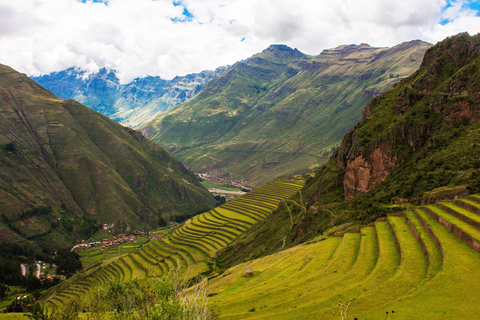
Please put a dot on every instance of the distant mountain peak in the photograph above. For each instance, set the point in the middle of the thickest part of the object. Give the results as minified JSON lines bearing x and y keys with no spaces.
{"x":131,"y":104}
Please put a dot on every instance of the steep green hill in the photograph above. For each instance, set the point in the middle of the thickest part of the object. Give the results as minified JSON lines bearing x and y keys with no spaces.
{"x":417,"y":143}
{"x":65,"y":169}
{"x":281,"y":112}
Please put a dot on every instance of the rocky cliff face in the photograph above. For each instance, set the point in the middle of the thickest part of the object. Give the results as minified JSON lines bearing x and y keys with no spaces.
{"x":417,"y":119}
{"x":364,"y":172}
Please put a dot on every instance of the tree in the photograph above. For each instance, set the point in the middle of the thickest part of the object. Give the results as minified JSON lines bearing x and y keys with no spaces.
{"x":68,"y":262}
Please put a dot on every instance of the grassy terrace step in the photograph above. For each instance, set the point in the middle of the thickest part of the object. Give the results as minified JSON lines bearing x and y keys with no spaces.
{"x":461,"y":229}
{"x":101,"y":277}
{"x":461,"y":213}
{"x":197,"y":255}
{"x":236,"y":222}
{"x":390,"y":279}
{"x":468,"y":204}
{"x":448,"y":294}
{"x":430,"y":245}
{"x":309,"y":291}
{"x":261,"y":199}
{"x":138,"y":271}
{"x":119,"y":270}
{"x":277,"y":190}
{"x":144,"y":259}
{"x":269,"y":197}
{"x":228,"y":231}
{"x":112,"y":271}
{"x":262,"y":202}
{"x":234,"y":229}
{"x":474,"y":197}
{"x":167,"y":257}
{"x":205,"y":229}
{"x":193,"y":246}
{"x":205,"y":242}
{"x":225,"y":236}
{"x":253,"y":209}
{"x":126,"y":268}
{"x":186,"y":254}
{"x":173,"y":259}
{"x":281,"y":292}
{"x":159,"y":263}
{"x":205,"y":234}
{"x":225,"y":233}
{"x":242,"y":213}
{"x":256,"y":211}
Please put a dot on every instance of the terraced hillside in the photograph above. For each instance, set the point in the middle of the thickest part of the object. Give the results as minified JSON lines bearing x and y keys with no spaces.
{"x":420,"y":264}
{"x":188,"y":248}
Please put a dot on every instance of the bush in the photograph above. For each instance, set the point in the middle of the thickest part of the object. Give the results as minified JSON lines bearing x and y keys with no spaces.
{"x":155,"y":299}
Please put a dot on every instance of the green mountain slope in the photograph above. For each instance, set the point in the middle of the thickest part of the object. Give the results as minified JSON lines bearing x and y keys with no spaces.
{"x":66,"y":168}
{"x":280,"y":112}
{"x":417,"y":143}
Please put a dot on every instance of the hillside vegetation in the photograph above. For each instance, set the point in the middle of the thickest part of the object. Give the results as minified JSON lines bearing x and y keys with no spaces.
{"x":66,"y":169}
{"x":281,"y":111}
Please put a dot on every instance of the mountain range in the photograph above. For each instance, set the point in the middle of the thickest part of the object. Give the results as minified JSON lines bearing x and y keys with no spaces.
{"x":66,"y":169}
{"x":130,"y":104}
{"x":281,"y":111}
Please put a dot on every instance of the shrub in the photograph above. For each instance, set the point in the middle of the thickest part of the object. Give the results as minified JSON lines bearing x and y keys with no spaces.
{"x":154,"y":299}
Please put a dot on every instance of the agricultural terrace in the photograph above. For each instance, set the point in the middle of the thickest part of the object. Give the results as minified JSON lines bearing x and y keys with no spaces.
{"x":421,"y":264}
{"x":186,"y":249}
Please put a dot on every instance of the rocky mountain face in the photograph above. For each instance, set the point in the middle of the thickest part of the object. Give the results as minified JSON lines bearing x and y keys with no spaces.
{"x":67,"y":169}
{"x":130,"y":104}
{"x":419,"y":142}
{"x":281,"y":111}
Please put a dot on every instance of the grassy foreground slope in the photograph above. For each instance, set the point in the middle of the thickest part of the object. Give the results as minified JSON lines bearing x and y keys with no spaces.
{"x":421,"y":264}
{"x":280,"y":111}
{"x":65,"y":169}
{"x":187,"y":250}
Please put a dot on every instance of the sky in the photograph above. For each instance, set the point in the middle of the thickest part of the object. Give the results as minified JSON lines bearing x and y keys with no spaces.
{"x":168,"y":38}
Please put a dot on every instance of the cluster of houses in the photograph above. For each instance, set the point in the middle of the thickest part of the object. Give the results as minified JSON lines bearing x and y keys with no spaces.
{"x":239,"y":183}
{"x":40,"y":272}
{"x":118,"y":239}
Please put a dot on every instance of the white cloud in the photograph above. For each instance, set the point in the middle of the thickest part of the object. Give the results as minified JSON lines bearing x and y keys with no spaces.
{"x":139,"y":37}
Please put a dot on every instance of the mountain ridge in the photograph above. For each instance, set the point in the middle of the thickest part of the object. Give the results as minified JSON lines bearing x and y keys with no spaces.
{"x":131,"y":103}
{"x":259,"y":123}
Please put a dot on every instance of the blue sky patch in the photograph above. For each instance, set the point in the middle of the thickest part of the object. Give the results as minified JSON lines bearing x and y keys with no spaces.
{"x":95,"y":1}
{"x":186,"y":15}
{"x":472,"y":5}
